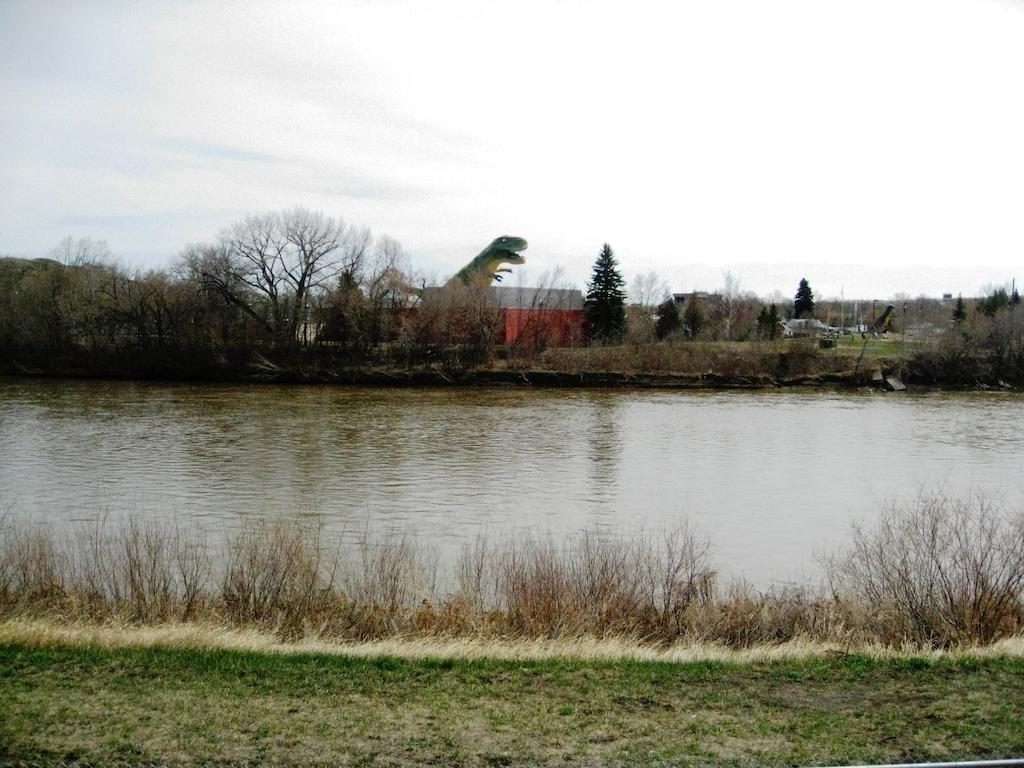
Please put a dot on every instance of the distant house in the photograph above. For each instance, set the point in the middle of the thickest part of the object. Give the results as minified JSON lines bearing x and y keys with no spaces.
{"x":683,"y":298}
{"x":804,"y":328}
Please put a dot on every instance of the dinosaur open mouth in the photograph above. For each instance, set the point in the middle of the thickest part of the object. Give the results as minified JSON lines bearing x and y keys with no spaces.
{"x":512,"y":252}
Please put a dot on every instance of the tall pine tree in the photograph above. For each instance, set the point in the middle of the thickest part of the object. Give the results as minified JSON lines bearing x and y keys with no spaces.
{"x":774,"y":319}
{"x":959,"y":311}
{"x":668,"y":321}
{"x":606,"y":299}
{"x":768,"y":322}
{"x":803,"y":303}
{"x":694,"y":318}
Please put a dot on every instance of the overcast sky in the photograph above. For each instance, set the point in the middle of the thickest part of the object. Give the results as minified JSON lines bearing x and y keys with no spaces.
{"x":877,"y":145}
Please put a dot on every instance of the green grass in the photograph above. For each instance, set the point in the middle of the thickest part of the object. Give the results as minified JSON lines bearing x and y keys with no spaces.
{"x":875,"y":348}
{"x":141,"y":706}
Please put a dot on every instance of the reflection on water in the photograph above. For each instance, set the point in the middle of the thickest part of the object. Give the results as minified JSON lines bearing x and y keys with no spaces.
{"x":771,"y":477}
{"x":603,"y":434}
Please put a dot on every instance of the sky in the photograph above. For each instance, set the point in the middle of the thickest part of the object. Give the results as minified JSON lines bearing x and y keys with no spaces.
{"x":872,"y":146}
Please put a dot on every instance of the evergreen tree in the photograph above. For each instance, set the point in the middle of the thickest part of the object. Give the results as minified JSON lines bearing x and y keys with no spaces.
{"x":694,"y":318}
{"x":668,"y":321}
{"x":774,"y":319}
{"x":803,"y":303}
{"x":1014,"y":298}
{"x":768,"y":322}
{"x":763,"y":323}
{"x":606,"y":299}
{"x":959,"y":311}
{"x":991,"y":305}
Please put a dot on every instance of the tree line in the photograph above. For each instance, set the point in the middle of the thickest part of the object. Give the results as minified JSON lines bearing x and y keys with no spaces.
{"x":294,"y":283}
{"x":730,"y":314}
{"x":300,"y":287}
{"x":284,"y":281}
{"x":286,"y":288}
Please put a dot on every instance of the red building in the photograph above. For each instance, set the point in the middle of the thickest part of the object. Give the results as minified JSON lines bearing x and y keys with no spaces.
{"x":549,"y":317}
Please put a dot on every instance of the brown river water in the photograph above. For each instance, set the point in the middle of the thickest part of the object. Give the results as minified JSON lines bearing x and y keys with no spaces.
{"x":771,"y":478}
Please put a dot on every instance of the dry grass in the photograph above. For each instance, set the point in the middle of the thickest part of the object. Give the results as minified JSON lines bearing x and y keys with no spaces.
{"x":753,"y":360}
{"x":197,"y":637}
{"x":938,"y":574}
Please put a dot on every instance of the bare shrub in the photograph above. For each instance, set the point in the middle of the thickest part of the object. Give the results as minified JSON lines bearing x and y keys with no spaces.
{"x":275,"y":575}
{"x":676,"y":576}
{"x":96,"y":589}
{"x":474,"y":574}
{"x":532,"y":588}
{"x":603,"y":585}
{"x":147,"y":571}
{"x":985,"y":347}
{"x":7,"y":585}
{"x":955,"y":358}
{"x":744,"y":617}
{"x":383,"y":587}
{"x":138,"y":571}
{"x":455,"y":326}
{"x":192,"y":563}
{"x":32,"y":568}
{"x":600,"y":585}
{"x":938,"y":572}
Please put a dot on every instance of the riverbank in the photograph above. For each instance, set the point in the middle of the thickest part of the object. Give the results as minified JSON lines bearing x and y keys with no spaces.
{"x":681,"y":365}
{"x":442,"y":377}
{"x":88,"y":703}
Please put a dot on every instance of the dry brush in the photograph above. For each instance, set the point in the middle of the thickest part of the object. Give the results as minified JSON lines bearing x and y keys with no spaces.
{"x":940,"y":573}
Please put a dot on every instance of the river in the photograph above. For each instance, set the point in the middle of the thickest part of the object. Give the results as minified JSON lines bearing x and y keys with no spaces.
{"x":771,"y":478}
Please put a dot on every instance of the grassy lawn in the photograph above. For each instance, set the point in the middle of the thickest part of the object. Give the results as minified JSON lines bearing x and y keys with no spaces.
{"x":152,"y":705}
{"x":874,"y":348}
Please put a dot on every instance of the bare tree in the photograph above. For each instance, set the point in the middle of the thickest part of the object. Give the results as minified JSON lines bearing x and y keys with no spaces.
{"x":734,"y":311}
{"x":645,"y":293}
{"x":455,"y":325}
{"x":77,"y":289}
{"x":211,"y":267}
{"x":388,"y":286}
{"x":281,"y":260}
{"x":647,"y":290}
{"x":77,"y":252}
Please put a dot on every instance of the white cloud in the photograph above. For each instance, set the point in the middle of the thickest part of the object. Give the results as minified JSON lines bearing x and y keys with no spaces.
{"x":864,"y":133}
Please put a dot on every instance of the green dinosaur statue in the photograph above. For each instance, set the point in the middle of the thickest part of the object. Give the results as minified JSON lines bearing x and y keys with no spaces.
{"x":487,"y":266}
{"x":882,"y":323}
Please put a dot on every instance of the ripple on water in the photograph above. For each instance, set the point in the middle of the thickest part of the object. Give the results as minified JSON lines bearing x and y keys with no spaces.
{"x":770,"y":477}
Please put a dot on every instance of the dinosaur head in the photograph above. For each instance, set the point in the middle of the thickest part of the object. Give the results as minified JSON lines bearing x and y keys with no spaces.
{"x":486,"y":267}
{"x":508,"y":247}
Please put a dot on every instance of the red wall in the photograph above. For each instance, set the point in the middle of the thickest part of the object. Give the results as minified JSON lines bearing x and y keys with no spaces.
{"x":550,"y":327}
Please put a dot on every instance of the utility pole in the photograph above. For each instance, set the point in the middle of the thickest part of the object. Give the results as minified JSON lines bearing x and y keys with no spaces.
{"x":903,"y":337}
